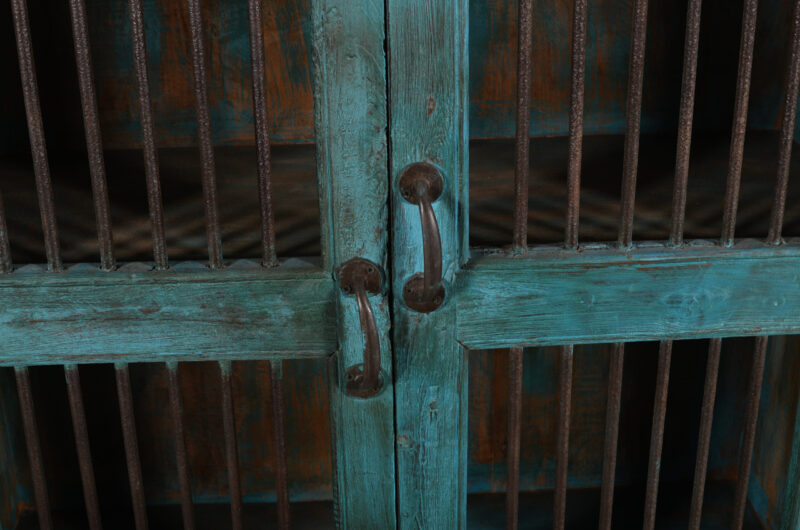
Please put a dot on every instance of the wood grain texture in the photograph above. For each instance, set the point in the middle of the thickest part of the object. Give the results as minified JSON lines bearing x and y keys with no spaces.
{"x":428,"y":44}
{"x":186,"y":313}
{"x":550,"y":297}
{"x":352,"y":161}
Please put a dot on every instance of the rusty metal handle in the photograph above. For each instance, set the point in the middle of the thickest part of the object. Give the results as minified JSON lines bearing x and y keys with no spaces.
{"x":358,"y":277}
{"x":421,"y":184}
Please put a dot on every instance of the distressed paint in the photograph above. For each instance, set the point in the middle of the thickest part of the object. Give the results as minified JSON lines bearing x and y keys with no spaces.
{"x":186,"y":313}
{"x":428,"y":44}
{"x":549,"y":297}
{"x":352,"y":161}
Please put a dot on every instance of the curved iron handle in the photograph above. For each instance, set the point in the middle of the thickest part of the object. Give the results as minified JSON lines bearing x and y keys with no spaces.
{"x":359,"y":276}
{"x":421,"y":184}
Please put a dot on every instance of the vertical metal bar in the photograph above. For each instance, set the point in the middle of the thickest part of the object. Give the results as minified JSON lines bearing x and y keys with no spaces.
{"x":749,"y":434}
{"x":91,"y":125}
{"x":279,"y":439}
{"x":176,"y":410}
{"x":657,"y":433}
{"x":514,"y":434}
{"x":5,"y":249}
{"x":704,"y":437}
{"x":34,"y":447}
{"x":204,"y":139}
{"x":562,"y":453}
{"x":33,"y":112}
{"x":522,"y":151}
{"x":632,"y":122}
{"x":129,"y":438}
{"x":611,"y":435}
{"x":231,"y":451}
{"x":82,"y":445}
{"x":262,"y":134}
{"x":685,"y":116}
{"x":739,"y":121}
{"x":154,"y":201}
{"x":787,"y":131}
{"x":576,"y":123}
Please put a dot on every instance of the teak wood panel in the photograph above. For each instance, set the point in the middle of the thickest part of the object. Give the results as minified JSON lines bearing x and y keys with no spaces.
{"x":608,"y":295}
{"x":352,"y":162}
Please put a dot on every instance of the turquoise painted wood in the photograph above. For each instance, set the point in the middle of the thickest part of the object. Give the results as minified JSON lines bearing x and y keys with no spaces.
{"x":352,"y":162}
{"x":549,"y":297}
{"x":188,"y":312}
{"x":428,"y":63}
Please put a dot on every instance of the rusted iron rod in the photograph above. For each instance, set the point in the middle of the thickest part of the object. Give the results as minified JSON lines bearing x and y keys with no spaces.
{"x":749,"y":433}
{"x":576,"y":123}
{"x":6,"y":264}
{"x":131,"y":443}
{"x":613,"y":406}
{"x":82,"y":446}
{"x":231,"y":451}
{"x":33,"y":113}
{"x":176,"y":410}
{"x":91,"y":125}
{"x":279,"y":439}
{"x":562,"y":442}
{"x":787,"y":131}
{"x":704,"y":437}
{"x":204,"y":138}
{"x":152,"y":179}
{"x":685,"y":117}
{"x":514,"y":434}
{"x":633,"y":120}
{"x":34,"y":447}
{"x":739,"y":121}
{"x":657,"y":433}
{"x":261,"y":125}
{"x":522,"y":146}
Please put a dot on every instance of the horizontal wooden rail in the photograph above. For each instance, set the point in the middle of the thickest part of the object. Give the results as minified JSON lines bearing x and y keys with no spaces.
{"x":188,"y":312}
{"x":651,"y":292}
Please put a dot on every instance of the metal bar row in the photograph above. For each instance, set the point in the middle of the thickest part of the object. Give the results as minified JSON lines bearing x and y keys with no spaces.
{"x":633,"y":122}
{"x":131,"y":445}
{"x":94,"y":144}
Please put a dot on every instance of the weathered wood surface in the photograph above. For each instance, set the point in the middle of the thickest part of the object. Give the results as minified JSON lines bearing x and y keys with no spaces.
{"x":606,"y":295}
{"x":352,"y":160}
{"x":428,"y":66}
{"x":187,"y":313}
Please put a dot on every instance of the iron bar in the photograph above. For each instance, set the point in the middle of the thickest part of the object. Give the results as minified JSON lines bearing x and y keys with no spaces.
{"x":704,"y":437}
{"x":514,"y":434}
{"x":613,"y":406}
{"x":82,"y":446}
{"x":522,"y":149}
{"x":749,"y":433}
{"x":6,"y":264}
{"x":279,"y":439}
{"x":562,"y":443}
{"x":787,"y":131}
{"x":632,"y":122}
{"x":262,"y":134}
{"x":33,"y":112}
{"x":231,"y":451}
{"x":204,"y":139}
{"x":176,"y":410}
{"x":685,"y":117}
{"x":657,"y":433}
{"x":91,"y":125}
{"x":34,"y":447}
{"x":131,"y":445}
{"x":154,"y":200}
{"x":576,"y":123}
{"x":739,"y":121}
